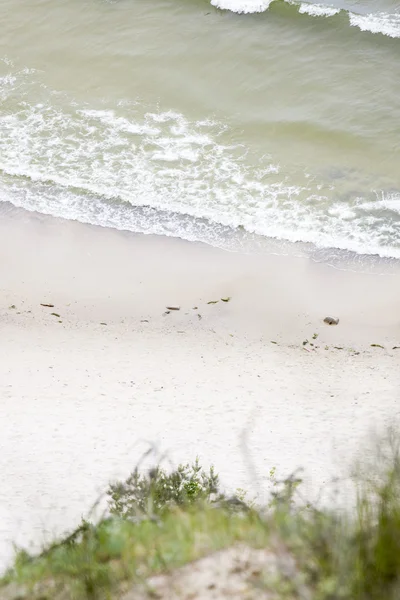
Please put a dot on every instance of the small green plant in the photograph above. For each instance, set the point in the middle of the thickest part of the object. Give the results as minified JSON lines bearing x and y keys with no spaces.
{"x":157,"y":490}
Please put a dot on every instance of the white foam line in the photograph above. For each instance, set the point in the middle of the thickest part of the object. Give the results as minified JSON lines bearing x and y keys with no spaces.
{"x":318,"y":10}
{"x":242,"y":6}
{"x":383,"y":23}
{"x":386,"y":24}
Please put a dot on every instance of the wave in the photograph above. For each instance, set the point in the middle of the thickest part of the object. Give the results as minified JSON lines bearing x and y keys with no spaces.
{"x":158,"y":172}
{"x":340,"y":233}
{"x":242,"y":6}
{"x":383,"y":23}
{"x":387,"y":24}
{"x":318,"y":10}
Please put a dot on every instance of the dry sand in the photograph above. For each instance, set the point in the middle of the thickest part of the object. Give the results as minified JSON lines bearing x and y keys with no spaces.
{"x":236,"y":573}
{"x":83,"y":392}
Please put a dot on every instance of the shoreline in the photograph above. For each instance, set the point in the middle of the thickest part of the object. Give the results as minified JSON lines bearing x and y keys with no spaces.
{"x":82,"y":397}
{"x":75,"y":263}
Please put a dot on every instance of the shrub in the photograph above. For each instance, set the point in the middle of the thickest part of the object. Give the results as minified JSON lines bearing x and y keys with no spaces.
{"x":157,"y":490}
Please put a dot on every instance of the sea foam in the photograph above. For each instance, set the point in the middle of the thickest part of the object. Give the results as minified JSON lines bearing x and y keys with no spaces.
{"x":318,"y":10}
{"x":386,"y":24}
{"x":155,"y":171}
{"x":242,"y":6}
{"x":383,"y":23}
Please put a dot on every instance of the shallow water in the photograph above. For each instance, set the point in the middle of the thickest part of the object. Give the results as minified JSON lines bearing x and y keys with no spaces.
{"x":180,"y":118}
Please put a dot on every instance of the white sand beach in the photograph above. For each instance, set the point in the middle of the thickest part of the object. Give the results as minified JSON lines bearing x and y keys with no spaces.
{"x":86,"y":384}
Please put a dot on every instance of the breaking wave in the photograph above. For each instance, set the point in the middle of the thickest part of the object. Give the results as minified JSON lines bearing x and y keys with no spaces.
{"x":380,"y":22}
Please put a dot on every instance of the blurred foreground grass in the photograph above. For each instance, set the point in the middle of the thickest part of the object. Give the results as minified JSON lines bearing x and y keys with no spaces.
{"x":159,"y":521}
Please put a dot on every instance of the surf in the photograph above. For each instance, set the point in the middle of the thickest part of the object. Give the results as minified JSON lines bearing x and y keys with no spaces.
{"x":156,"y":172}
{"x":387,"y":24}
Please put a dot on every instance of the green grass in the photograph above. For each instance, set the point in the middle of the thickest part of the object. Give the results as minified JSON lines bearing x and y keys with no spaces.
{"x":160,"y":521}
{"x":117,"y":550}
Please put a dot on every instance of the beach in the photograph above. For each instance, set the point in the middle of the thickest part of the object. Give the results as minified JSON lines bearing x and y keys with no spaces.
{"x":199,"y":259}
{"x":249,"y":384}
